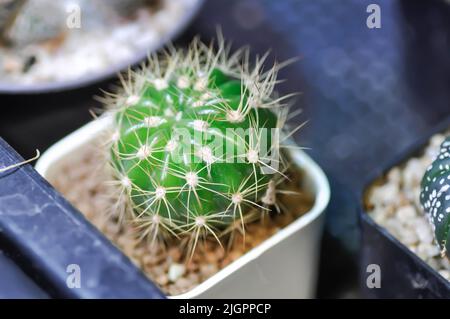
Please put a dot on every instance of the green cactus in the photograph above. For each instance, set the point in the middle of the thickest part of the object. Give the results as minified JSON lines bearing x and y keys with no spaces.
{"x":435,"y":196}
{"x":194,"y":132}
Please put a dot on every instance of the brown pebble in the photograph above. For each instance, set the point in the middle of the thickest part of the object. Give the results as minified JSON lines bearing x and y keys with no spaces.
{"x":175,"y":254}
{"x":183,"y":283}
{"x":151,"y":259}
{"x":193,"y":277}
{"x":210,"y":257}
{"x":192,"y":266}
{"x":208,"y":270}
{"x":162,"y":280}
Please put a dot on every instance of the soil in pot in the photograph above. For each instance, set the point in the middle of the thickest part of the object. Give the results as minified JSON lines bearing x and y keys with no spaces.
{"x":393,"y":202}
{"x":83,"y":181}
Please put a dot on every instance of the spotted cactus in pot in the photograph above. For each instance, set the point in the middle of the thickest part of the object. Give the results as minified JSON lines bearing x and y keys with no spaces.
{"x":195,"y":147}
{"x":435,"y":196}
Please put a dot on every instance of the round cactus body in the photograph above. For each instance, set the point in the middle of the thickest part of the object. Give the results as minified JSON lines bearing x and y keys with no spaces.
{"x":195,"y":144}
{"x":435,"y":196}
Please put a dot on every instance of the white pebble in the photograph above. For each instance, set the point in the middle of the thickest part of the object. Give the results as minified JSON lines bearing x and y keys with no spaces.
{"x":176,"y":271}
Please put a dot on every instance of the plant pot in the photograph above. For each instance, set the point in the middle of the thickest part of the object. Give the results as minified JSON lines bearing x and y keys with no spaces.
{"x":102,"y":75}
{"x":293,"y":251}
{"x":403,"y":273}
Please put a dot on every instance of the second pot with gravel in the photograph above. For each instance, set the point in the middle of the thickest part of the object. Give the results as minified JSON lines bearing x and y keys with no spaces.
{"x":403,"y":208}
{"x":192,"y":173}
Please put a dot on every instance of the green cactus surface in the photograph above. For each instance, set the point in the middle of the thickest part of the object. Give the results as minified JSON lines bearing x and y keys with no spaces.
{"x":196,"y":139}
{"x":435,"y":196}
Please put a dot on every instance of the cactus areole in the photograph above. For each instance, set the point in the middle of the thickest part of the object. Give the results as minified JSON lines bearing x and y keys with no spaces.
{"x":196,"y":141}
{"x":435,"y":196}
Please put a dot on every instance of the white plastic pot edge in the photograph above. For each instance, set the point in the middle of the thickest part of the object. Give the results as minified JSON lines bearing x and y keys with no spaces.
{"x":91,"y":131}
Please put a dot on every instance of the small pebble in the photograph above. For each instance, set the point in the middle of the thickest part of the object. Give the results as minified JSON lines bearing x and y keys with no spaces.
{"x":162,"y":280}
{"x":406,"y":214}
{"x":208,"y":270}
{"x":176,"y":271}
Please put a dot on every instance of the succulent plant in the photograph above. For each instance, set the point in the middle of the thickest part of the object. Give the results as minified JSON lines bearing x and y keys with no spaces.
{"x":435,"y":196}
{"x":195,"y":144}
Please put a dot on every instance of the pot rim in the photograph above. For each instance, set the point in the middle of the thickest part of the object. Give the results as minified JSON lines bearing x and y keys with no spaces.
{"x":91,"y":131}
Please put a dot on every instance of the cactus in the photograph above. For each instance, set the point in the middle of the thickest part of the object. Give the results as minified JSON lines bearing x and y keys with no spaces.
{"x":187,"y":145}
{"x":435,"y":196}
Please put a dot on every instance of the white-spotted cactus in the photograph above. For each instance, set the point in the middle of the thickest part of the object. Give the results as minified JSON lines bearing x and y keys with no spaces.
{"x":435,"y":196}
{"x":196,"y":141}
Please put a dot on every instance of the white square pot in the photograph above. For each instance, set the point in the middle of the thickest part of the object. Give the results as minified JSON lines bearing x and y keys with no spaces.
{"x":283,"y":266}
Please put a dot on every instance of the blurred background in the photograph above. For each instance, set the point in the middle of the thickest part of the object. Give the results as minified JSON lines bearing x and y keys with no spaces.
{"x":367,"y":95}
